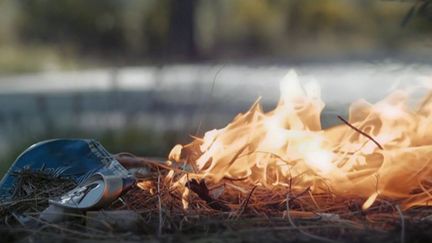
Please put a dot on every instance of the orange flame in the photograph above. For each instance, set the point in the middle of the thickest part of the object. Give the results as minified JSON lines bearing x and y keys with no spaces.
{"x":271,"y":149}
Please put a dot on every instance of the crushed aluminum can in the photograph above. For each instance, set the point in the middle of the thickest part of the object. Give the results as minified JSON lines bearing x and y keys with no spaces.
{"x":98,"y":191}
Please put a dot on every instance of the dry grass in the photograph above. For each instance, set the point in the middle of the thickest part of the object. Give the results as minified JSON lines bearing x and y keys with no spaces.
{"x":256,"y":214}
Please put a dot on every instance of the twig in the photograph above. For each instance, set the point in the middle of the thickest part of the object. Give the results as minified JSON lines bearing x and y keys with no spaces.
{"x":131,"y":162}
{"x":208,"y":98}
{"x":402,"y":223}
{"x":313,"y":200}
{"x":361,"y":132}
{"x":245,"y":204}
{"x":159,"y":207}
{"x":12,"y":203}
{"x":301,"y":194}
{"x":201,"y":189}
{"x":316,"y":237}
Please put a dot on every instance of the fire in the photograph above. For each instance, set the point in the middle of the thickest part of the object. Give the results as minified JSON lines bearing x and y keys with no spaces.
{"x":287,"y":147}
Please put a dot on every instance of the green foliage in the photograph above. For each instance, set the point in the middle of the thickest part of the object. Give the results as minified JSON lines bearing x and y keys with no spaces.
{"x":106,"y":31}
{"x":155,"y":26}
{"x":88,"y":25}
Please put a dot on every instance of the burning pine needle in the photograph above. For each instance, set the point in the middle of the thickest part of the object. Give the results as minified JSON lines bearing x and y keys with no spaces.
{"x":287,"y":149}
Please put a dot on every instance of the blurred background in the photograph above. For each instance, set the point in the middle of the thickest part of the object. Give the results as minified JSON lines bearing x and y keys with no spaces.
{"x":141,"y":76}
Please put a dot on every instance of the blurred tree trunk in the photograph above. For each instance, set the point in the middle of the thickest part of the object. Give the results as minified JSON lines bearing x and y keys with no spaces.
{"x":182,"y":29}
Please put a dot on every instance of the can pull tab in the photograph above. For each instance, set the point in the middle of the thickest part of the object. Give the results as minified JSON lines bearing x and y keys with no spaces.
{"x":98,"y":191}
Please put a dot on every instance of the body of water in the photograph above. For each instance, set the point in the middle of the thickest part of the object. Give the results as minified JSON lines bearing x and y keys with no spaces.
{"x":183,"y":98}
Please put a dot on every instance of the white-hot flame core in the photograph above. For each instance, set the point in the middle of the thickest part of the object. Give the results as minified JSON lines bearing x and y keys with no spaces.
{"x":270,"y":149}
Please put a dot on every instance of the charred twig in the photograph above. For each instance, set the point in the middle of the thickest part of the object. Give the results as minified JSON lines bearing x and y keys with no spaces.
{"x":201,"y":189}
{"x":359,"y":131}
{"x":245,"y":204}
{"x":134,"y":162}
{"x":235,"y":179}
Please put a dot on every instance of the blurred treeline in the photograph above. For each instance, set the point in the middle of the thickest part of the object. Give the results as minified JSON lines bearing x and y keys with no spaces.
{"x":52,"y":34}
